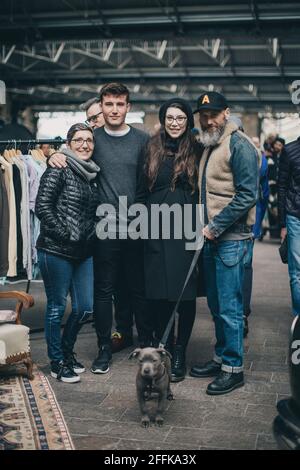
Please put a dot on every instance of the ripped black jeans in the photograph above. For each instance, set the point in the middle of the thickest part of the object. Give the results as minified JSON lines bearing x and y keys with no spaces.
{"x":61,"y":277}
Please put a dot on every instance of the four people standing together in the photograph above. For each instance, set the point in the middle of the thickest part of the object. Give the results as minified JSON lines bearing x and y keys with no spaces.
{"x":171,"y":168}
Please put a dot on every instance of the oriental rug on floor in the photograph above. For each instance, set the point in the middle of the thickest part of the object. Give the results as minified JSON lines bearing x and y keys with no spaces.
{"x":30,"y":417}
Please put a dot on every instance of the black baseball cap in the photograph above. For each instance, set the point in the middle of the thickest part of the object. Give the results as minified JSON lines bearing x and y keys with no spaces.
{"x":211,"y":100}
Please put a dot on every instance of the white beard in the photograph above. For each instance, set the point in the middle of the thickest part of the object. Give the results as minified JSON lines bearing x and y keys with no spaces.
{"x":210,"y":139}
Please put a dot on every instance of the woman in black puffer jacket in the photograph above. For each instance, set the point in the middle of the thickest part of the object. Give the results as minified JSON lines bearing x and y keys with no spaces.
{"x":66,"y":206}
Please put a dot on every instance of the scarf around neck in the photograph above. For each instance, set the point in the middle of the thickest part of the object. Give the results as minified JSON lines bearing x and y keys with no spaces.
{"x":88,"y":169}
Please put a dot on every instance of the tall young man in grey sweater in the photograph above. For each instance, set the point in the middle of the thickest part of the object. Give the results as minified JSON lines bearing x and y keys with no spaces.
{"x":119,"y":151}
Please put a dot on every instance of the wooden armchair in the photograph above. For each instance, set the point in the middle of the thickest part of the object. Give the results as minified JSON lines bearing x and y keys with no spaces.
{"x":14,"y":337}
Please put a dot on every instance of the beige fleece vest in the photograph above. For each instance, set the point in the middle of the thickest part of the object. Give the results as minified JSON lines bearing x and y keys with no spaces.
{"x":220,"y":188}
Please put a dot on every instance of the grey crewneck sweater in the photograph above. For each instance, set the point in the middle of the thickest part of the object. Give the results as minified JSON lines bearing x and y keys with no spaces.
{"x":119,"y":158}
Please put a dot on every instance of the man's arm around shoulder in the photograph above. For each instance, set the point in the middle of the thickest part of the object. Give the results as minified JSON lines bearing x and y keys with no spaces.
{"x":57,"y":160}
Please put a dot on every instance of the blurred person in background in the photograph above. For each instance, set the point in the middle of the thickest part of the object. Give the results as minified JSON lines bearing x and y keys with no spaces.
{"x":278,"y":145}
{"x":46,"y":149}
{"x":273,"y":150}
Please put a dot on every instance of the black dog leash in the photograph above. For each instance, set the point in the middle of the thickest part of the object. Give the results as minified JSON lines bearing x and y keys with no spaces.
{"x":171,"y":321}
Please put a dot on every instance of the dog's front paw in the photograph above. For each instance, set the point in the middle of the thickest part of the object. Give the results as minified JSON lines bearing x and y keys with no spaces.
{"x":159,"y":420}
{"x":145,"y":421}
{"x":170,"y":396}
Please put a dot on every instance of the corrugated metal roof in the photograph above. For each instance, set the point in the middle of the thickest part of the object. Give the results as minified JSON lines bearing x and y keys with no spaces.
{"x":250,"y":50}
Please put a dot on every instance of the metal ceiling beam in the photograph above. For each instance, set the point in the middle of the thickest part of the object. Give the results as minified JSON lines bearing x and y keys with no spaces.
{"x":39,"y":57}
{"x":6,"y":55}
{"x":142,"y":18}
{"x":97,"y":57}
{"x":278,"y":57}
{"x":164,"y":45}
{"x":59,"y":52}
{"x":99,"y":75}
{"x":235,"y":102}
{"x":162,"y":93}
{"x":196,"y":22}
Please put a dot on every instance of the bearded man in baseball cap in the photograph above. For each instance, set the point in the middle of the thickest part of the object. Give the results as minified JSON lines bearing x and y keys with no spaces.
{"x":228,"y":188}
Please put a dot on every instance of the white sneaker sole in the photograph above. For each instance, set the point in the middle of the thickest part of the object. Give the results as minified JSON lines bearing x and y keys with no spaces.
{"x":99,"y":371}
{"x":65,"y":379}
{"x":69,"y":381}
{"x":79,"y":371}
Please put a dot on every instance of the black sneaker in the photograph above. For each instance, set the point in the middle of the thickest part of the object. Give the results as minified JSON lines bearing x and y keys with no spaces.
{"x":55,"y":368}
{"x":101,"y":363}
{"x":63,"y":372}
{"x":71,"y":360}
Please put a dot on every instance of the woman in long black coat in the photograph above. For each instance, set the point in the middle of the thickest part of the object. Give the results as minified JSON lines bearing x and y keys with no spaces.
{"x":170,"y":177}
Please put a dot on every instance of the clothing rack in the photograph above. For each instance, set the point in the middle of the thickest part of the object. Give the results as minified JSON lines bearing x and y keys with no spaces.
{"x":16,"y":142}
{"x":32,"y":141}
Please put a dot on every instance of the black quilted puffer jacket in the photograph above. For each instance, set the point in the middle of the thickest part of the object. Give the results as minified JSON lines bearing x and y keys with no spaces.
{"x":66,"y":206}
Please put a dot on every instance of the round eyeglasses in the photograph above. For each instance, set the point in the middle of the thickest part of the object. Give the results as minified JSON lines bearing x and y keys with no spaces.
{"x":79,"y":142}
{"x":179,"y":119}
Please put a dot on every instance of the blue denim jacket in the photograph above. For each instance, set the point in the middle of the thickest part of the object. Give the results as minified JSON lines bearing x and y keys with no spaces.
{"x":245,"y":170}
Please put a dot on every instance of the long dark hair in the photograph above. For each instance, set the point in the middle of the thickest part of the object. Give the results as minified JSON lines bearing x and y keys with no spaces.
{"x":185,"y":157}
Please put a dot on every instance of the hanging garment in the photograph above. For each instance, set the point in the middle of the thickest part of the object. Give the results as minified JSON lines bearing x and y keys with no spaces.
{"x":34,"y":170}
{"x":18,"y":197}
{"x":12,"y":240}
{"x":26,"y":262}
{"x":35,"y":224}
{"x":4,"y":224}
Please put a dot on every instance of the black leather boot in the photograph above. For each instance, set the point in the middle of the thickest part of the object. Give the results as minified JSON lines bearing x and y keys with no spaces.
{"x":209,"y":369}
{"x":178,"y":364}
{"x":225,"y":382}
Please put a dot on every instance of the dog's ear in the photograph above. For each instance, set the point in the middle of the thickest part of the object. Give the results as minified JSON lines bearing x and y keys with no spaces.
{"x":163,"y":352}
{"x":134,"y":353}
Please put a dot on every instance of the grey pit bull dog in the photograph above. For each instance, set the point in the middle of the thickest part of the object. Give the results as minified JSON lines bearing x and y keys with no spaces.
{"x":153,"y":382}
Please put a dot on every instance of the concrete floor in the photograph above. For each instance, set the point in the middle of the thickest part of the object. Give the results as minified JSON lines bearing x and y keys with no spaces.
{"x":102,"y":411}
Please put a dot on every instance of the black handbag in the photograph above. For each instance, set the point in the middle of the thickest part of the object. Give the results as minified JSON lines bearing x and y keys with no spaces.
{"x":283,"y":251}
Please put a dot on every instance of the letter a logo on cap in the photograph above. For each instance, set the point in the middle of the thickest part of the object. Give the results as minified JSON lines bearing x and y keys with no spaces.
{"x":205,"y":99}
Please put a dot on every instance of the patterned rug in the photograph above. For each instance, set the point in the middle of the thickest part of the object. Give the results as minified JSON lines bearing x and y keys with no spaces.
{"x":30,"y":418}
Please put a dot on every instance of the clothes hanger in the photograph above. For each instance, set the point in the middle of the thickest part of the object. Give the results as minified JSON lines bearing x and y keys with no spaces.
{"x":31,"y":151}
{"x":13,"y":151}
{"x":6,"y":154}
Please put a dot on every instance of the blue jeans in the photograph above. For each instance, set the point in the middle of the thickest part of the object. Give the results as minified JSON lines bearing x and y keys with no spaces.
{"x":62,"y":277}
{"x":248,"y":280}
{"x":293,"y":234}
{"x":224,"y":265}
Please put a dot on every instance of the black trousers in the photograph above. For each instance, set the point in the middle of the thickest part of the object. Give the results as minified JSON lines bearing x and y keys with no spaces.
{"x":123,"y":304}
{"x":162,"y":311}
{"x":109,"y":255}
